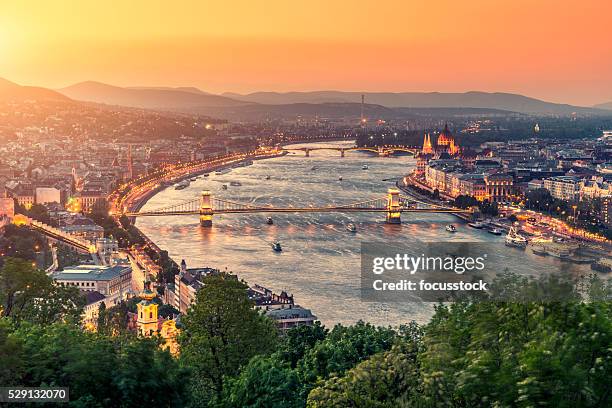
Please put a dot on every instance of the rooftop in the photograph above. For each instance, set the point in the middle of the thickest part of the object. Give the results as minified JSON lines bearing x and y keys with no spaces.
{"x":90,"y":273}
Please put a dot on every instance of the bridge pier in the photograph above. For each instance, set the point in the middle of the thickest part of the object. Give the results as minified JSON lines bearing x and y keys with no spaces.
{"x":307,"y":151}
{"x":393,"y":207}
{"x":341,"y":152}
{"x":206,"y":211}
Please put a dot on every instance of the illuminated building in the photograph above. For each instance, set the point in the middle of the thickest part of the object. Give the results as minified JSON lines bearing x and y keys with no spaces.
{"x":149,"y":324}
{"x":446,"y":143}
{"x":111,"y":281}
{"x":499,"y":186}
{"x":147,"y":313}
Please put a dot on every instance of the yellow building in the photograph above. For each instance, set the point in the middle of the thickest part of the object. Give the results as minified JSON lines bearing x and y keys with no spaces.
{"x":147,"y":313}
{"x":148,"y":321}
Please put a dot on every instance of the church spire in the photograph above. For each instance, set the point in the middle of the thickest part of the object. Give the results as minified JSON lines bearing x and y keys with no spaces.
{"x":427,"y":147}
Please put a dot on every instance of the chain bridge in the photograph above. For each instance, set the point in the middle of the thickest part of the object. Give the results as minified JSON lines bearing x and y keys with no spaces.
{"x":205,"y":206}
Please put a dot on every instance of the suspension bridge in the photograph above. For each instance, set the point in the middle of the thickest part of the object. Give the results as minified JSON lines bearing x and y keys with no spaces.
{"x":393,"y":205}
{"x":381,"y":151}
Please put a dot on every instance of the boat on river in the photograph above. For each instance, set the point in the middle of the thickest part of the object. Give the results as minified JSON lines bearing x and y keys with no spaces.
{"x":182,"y":185}
{"x":269,"y":221}
{"x":276,"y":246}
{"x":451,"y":228}
{"x":603,"y":265}
{"x":495,"y":231}
{"x":476,"y":224}
{"x":514,"y":239}
{"x":351,"y":227}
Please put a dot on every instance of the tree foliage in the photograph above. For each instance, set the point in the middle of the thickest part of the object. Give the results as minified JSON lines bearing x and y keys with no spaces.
{"x":222,"y":331}
{"x":27,"y":293}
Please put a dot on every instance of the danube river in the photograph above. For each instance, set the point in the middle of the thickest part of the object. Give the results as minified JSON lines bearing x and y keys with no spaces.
{"x":320,"y":261}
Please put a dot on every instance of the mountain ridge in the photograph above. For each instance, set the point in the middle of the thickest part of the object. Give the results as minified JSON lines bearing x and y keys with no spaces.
{"x":472,"y":99}
{"x":605,"y":105}
{"x":11,"y":91}
{"x":146,"y":97}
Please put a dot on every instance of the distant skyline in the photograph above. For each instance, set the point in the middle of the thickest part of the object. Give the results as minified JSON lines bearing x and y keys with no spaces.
{"x":550,"y":50}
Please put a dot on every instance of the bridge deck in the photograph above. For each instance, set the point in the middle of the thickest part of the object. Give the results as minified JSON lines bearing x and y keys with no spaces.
{"x":298,"y":210}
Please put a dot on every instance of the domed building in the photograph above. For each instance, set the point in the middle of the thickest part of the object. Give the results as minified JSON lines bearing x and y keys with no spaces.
{"x":445,"y":148}
{"x":446,"y":143}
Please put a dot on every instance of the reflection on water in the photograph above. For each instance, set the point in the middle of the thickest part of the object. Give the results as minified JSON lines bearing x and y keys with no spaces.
{"x":320,"y":262}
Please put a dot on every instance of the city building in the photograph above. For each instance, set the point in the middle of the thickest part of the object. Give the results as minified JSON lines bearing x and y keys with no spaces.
{"x":499,"y":187}
{"x":147,"y":313}
{"x":113,"y":282}
{"x":563,"y":187}
{"x":46,"y":195}
{"x":290,"y":317}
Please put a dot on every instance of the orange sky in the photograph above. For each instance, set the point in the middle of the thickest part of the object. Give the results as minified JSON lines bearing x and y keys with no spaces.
{"x":556,"y":50}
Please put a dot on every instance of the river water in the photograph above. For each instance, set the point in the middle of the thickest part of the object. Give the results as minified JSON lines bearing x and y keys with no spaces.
{"x":320,"y":261}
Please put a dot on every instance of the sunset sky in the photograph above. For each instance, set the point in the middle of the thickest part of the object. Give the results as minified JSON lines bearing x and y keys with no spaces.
{"x":557,"y":50}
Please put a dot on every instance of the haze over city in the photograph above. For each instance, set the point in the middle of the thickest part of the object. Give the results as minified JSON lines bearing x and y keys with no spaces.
{"x":558,"y":53}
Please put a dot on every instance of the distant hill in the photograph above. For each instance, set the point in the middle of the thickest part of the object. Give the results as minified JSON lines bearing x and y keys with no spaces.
{"x":191,"y":89}
{"x":607,"y":106}
{"x":10,"y":91}
{"x":149,"y":98}
{"x":341,"y":110}
{"x":497,"y":100}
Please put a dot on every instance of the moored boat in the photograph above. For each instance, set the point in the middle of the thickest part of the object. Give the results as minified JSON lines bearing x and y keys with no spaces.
{"x":514,"y":239}
{"x":476,"y":224}
{"x":603,"y":265}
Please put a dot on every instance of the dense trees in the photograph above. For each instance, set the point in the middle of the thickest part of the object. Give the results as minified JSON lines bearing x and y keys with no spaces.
{"x":222,"y":332}
{"x":28,"y":294}
{"x":534,"y":342}
{"x":101,"y":371}
{"x":485,"y":207}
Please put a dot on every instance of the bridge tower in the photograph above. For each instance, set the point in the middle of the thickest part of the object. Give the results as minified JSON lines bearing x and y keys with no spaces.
{"x":206,"y":210}
{"x":393,"y":207}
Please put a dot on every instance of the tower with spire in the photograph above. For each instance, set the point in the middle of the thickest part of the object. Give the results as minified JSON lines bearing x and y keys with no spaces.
{"x":427,"y":147}
{"x":147,"y":312}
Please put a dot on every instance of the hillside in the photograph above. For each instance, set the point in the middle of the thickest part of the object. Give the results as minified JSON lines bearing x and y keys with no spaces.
{"x":10,"y":91}
{"x":149,"y":98}
{"x":607,"y":106}
{"x":497,"y":100}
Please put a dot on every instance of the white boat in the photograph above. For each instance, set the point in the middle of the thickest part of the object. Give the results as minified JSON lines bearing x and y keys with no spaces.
{"x":276,"y":246}
{"x":223,"y":171}
{"x":476,"y":224}
{"x":268,"y":177}
{"x":451,"y":228}
{"x":182,"y":185}
{"x":351,"y":227}
{"x":340,"y":178}
{"x":513,"y":239}
{"x":364,"y":167}
{"x":495,"y":231}
{"x":269,"y":221}
{"x":235,"y":183}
